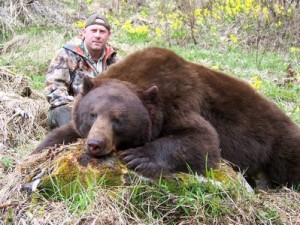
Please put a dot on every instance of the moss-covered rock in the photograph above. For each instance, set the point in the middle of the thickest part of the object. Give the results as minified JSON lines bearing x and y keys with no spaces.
{"x":76,"y":169}
{"x":69,"y":169}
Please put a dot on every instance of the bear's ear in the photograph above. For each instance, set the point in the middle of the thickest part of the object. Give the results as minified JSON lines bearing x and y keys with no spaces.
{"x":151,"y":94}
{"x":87,"y":85}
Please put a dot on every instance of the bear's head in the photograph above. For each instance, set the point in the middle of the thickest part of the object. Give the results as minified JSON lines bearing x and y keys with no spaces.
{"x":115,"y":115}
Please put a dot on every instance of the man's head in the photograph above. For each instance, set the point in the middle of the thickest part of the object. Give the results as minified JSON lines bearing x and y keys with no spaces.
{"x":97,"y":19}
{"x":96,"y":33}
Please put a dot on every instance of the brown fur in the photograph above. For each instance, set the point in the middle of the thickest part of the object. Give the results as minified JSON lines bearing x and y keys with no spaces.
{"x":190,"y":114}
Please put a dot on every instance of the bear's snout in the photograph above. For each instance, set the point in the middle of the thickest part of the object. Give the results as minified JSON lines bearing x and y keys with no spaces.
{"x":99,"y":141}
{"x":97,"y":147}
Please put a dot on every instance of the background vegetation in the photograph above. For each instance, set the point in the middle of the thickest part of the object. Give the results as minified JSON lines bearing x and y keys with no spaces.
{"x":256,"y":40}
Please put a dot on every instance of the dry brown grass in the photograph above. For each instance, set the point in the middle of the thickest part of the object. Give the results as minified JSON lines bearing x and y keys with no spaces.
{"x":22,"y":119}
{"x":21,"y":13}
{"x":285,"y":201}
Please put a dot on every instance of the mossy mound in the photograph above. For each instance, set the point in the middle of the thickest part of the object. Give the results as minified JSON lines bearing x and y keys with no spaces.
{"x":76,"y":168}
{"x":69,"y":168}
{"x":223,"y":178}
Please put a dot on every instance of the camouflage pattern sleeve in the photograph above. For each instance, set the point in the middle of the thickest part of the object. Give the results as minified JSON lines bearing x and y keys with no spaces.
{"x":58,"y":78}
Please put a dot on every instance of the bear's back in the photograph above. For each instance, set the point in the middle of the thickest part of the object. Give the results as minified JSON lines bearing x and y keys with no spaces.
{"x":175,"y":77}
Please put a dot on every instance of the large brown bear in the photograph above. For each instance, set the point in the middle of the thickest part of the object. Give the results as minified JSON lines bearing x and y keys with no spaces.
{"x":170,"y":115}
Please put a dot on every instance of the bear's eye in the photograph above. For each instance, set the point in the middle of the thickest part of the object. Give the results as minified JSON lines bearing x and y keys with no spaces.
{"x":118,"y":121}
{"x":93,"y":115}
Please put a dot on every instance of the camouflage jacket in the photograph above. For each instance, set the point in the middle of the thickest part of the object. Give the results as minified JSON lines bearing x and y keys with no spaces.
{"x":67,"y":69}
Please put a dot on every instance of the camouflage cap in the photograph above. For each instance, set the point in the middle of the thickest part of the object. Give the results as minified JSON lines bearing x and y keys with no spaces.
{"x":92,"y":19}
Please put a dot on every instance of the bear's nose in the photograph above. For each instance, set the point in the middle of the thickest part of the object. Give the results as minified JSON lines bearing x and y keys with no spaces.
{"x":96,"y":147}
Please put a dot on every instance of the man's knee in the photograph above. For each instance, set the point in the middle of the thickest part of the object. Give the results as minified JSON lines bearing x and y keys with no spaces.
{"x":59,"y":116}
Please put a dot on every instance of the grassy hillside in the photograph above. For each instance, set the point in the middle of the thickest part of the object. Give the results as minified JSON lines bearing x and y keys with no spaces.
{"x":255,"y":40}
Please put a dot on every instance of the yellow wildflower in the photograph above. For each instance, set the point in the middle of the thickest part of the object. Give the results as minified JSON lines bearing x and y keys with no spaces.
{"x":265,"y":12}
{"x":278,"y":24}
{"x":127,"y":25}
{"x":294,"y":49}
{"x":256,"y":83}
{"x":233,"y":38}
{"x":158,"y":32}
{"x":197,"y":12}
{"x":79,"y":24}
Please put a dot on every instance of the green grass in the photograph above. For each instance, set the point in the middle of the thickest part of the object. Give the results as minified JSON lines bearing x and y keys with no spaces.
{"x":286,"y":97}
{"x":76,"y":195}
{"x":7,"y":162}
{"x":240,"y":62}
{"x":37,"y":81}
{"x":31,"y":51}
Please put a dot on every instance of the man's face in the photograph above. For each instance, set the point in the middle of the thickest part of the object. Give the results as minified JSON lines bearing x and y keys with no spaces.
{"x":95,"y":37}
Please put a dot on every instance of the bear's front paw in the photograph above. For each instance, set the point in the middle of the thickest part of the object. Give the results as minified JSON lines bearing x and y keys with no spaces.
{"x":137,"y":160}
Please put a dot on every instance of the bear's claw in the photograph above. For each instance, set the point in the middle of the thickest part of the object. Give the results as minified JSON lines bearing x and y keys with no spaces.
{"x":137,"y":161}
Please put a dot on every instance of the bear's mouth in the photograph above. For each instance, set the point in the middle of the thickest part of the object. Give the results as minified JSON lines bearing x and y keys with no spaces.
{"x":98,"y":153}
{"x":100,"y":157}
